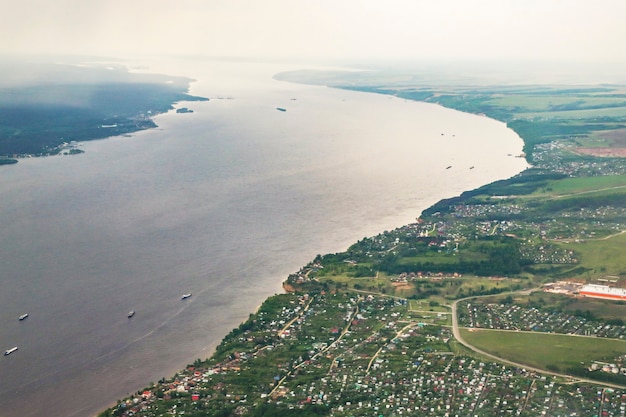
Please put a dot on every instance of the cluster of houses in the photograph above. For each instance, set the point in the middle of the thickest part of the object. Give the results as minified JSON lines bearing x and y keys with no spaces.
{"x":305,"y":274}
{"x":611,"y":368}
{"x":411,"y":276}
{"x":514,"y":317}
{"x":362,"y":355}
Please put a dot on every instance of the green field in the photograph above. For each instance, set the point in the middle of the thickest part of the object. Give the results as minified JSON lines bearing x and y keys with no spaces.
{"x":603,"y":256}
{"x":552,"y":102}
{"x":546,"y":351}
{"x":567,"y":186}
{"x":574,"y":114}
{"x":426,"y":305}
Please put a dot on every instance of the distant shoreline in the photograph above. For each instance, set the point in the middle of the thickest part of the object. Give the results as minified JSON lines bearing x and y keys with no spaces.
{"x":8,"y":161}
{"x":50,"y":117}
{"x":176,"y":119}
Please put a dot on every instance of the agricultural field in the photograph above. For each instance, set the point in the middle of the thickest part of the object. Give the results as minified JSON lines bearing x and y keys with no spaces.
{"x":555,"y":352}
{"x":570,"y":186}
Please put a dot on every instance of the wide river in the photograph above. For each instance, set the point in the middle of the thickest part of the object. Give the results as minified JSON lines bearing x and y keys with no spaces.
{"x":222,"y":203}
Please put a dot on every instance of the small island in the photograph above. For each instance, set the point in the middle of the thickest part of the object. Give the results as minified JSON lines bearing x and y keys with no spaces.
{"x":184,"y":110}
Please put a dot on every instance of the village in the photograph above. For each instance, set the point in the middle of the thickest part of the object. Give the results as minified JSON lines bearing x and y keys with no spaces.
{"x":535,"y":315}
{"x":375,"y":331}
{"x":346,"y":354}
{"x":512,"y":317}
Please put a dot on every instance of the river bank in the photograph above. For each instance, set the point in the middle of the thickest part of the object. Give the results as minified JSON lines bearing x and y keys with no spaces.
{"x":206,"y":204}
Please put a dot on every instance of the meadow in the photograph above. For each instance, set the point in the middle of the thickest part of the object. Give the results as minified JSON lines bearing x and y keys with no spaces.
{"x":555,"y":352}
{"x":602,"y":256}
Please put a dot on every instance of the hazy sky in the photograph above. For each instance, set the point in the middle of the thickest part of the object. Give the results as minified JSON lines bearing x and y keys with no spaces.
{"x":554,"y":30}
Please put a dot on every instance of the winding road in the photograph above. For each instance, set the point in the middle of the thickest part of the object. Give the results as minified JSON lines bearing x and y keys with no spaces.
{"x":457,"y":335}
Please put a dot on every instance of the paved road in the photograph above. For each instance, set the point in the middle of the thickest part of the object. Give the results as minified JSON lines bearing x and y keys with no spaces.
{"x":459,"y":338}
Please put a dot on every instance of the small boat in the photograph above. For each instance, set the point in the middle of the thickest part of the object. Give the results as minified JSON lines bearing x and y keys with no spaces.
{"x":8,"y":352}
{"x":131,"y":313}
{"x":22,"y":317}
{"x":185,"y":296}
{"x":281,"y":109}
{"x":449,"y":166}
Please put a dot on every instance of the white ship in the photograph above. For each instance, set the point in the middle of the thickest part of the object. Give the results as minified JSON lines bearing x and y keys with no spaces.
{"x":8,"y":352}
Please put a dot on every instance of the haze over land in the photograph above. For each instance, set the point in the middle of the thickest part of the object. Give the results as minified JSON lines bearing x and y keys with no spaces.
{"x":139,"y":232}
{"x":568,"y":34}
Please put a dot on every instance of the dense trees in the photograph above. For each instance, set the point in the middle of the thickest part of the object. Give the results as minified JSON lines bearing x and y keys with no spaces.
{"x":492,"y":255}
{"x":38,"y":119}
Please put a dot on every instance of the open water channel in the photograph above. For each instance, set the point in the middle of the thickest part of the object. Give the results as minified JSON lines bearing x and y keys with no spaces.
{"x":222,"y":203}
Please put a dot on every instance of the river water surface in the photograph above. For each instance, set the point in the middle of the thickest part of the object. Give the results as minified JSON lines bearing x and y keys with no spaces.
{"x":222,"y":203}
